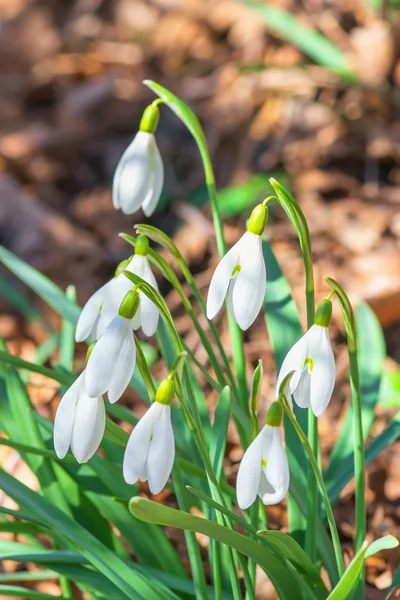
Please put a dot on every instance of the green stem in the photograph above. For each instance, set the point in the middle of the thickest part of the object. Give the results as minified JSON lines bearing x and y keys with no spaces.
{"x":358,"y":437}
{"x":144,"y":370}
{"x":359,"y":463}
{"x":196,"y":429}
{"x":295,"y":214}
{"x":196,"y":563}
{"x":321,"y":484}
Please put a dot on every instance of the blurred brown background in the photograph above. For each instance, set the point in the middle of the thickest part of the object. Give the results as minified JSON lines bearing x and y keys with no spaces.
{"x":71,"y":98}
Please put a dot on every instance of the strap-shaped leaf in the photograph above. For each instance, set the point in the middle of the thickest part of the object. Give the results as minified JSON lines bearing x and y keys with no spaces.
{"x":352,"y":573}
{"x":283,"y":580}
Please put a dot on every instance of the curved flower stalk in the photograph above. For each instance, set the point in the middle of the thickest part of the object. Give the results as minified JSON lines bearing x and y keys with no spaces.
{"x":112,"y":360}
{"x":242,"y":275}
{"x":264,"y":470}
{"x":313,"y":363}
{"x":150,"y":452}
{"x":80,"y":422}
{"x":103,"y":306}
{"x":139,"y":177}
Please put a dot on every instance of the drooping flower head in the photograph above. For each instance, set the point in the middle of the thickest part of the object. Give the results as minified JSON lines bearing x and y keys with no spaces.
{"x":111,"y":362}
{"x":150,"y":452}
{"x":313,"y":363}
{"x":103,"y":306}
{"x":241,"y":274}
{"x":264,"y":470}
{"x":139,"y":176}
{"x":79,"y":423}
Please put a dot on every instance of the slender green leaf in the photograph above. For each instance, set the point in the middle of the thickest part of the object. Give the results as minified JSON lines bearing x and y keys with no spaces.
{"x":352,"y":573}
{"x":40,"y":284}
{"x":67,"y":338}
{"x":284,"y":329}
{"x":371,"y":356}
{"x":107,"y":562}
{"x":296,"y":555}
{"x":382,"y":441}
{"x":310,"y":41}
{"x":219,"y":431}
{"x":26,"y":593}
{"x":279,"y":574}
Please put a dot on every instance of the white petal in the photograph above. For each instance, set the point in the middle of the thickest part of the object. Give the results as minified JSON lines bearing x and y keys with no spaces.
{"x":117,"y":289}
{"x":64,"y":420}
{"x":124,"y":369}
{"x":135,"y":458}
{"x":302,"y":392}
{"x":148,"y":311}
{"x":150,"y":202}
{"x":89,"y":426}
{"x":277,"y":470}
{"x":294,"y":361}
{"x":162,"y":451}
{"x":323,"y":375}
{"x":249,"y":289}
{"x":103,"y":361}
{"x":220,"y":280}
{"x":131,"y":178}
{"x":89,"y":315}
{"x":248,"y":478}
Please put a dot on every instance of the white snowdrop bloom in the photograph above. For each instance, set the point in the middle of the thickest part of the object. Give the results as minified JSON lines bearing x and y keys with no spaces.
{"x":103,"y":306}
{"x":147,"y":314}
{"x":150,"y":452}
{"x":313,"y":363}
{"x":112,"y":361}
{"x":90,"y":315}
{"x":139,"y":176}
{"x":264,"y":470}
{"x":242,"y":275}
{"x":80,"y":422}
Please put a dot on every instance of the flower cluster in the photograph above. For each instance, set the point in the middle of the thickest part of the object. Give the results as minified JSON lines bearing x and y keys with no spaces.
{"x":119,"y":308}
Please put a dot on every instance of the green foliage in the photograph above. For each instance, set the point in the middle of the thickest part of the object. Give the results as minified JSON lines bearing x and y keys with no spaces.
{"x":83,"y":526}
{"x":310,"y":41}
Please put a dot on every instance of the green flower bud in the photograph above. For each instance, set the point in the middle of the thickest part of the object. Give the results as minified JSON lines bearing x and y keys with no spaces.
{"x":90,"y":350}
{"x":122,"y":265}
{"x":129,"y":304}
{"x":258,"y":219}
{"x":149,"y":120}
{"x":165,"y":392}
{"x":324,"y":314}
{"x":274,"y":415}
{"x":142,"y":245}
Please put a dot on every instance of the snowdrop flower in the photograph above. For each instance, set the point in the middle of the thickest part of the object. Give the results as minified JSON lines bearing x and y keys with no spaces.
{"x":111,"y":362}
{"x":242,"y":275}
{"x":139,"y":177}
{"x":103,"y":306}
{"x":80,"y":422}
{"x":150,"y":451}
{"x":313,"y":363}
{"x":264,"y":470}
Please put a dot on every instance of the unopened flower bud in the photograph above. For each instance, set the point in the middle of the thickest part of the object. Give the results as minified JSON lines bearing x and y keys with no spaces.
{"x":150,"y":118}
{"x":129,"y":305}
{"x":258,"y":219}
{"x":165,"y":392}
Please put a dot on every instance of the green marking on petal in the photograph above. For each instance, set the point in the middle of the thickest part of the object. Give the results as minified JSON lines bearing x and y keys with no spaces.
{"x":236,"y":270}
{"x":151,"y":437}
{"x":309,"y":363}
{"x":263,"y":463}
